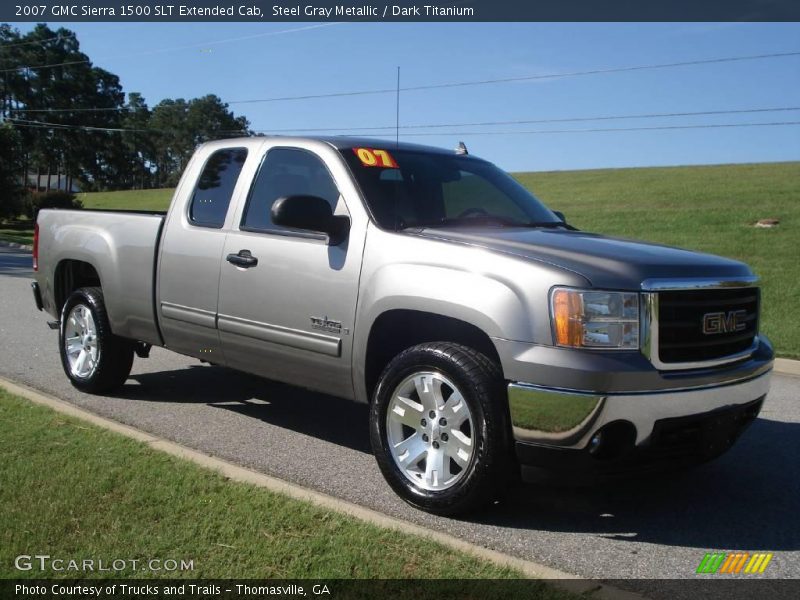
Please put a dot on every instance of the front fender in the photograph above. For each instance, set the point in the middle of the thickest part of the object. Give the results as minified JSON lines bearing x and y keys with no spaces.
{"x":504,"y":296}
{"x":494,"y":306}
{"x":491,"y":305}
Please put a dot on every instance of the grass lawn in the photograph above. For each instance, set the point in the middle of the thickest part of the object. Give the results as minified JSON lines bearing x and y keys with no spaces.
{"x":72,"y":490}
{"x":709,"y":208}
{"x":17,"y":230}
{"x":128,"y":200}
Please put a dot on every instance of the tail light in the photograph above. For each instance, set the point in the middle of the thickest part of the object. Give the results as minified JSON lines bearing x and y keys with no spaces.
{"x":36,"y":247}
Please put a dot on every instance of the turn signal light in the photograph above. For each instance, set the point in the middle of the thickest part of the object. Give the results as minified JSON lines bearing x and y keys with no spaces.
{"x":567,"y":314}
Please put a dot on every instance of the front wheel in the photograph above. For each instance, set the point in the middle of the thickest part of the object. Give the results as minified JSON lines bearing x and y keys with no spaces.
{"x":94,"y":359}
{"x":439,"y":429}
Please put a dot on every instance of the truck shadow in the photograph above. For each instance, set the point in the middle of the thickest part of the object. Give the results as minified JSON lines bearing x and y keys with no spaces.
{"x":334,"y":420}
{"x":749,"y":499}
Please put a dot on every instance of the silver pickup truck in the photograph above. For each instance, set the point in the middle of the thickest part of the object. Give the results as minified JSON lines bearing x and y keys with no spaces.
{"x":484,"y":331}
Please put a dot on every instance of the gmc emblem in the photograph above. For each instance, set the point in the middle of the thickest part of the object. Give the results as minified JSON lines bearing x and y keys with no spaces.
{"x":721,"y":322}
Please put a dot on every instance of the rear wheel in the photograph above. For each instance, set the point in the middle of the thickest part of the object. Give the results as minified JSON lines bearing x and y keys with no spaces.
{"x":94,"y":359}
{"x":439,"y":428}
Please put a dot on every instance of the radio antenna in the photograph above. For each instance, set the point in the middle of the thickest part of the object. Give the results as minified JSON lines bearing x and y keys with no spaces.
{"x":397,"y":114}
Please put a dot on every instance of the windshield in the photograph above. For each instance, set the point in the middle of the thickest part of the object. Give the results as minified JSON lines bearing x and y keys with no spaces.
{"x":409,"y":189}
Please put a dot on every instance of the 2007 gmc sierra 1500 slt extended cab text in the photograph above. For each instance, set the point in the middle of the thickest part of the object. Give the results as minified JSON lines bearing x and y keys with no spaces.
{"x":486,"y":334}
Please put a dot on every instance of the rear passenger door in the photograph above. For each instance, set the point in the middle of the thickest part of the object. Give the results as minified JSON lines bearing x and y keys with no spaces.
{"x":290,"y":315}
{"x":191,"y":252}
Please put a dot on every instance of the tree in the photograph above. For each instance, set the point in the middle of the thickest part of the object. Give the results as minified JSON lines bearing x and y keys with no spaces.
{"x":48,"y":84}
{"x":139,"y":140}
{"x":10,"y":165}
{"x":179,"y":127}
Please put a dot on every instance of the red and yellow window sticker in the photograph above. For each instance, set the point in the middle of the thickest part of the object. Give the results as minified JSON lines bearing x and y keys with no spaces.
{"x":373,"y":157}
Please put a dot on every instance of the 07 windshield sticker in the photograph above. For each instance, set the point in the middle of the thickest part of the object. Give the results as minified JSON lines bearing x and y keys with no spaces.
{"x":371,"y":157}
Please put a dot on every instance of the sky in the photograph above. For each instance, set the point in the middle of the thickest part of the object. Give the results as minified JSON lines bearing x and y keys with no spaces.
{"x":244,"y":61}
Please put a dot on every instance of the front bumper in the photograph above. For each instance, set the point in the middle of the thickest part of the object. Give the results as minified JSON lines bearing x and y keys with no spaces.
{"x":569,"y":419}
{"x":699,"y":417}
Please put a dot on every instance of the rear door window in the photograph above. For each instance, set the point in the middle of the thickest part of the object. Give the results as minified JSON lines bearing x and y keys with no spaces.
{"x":212,"y":196}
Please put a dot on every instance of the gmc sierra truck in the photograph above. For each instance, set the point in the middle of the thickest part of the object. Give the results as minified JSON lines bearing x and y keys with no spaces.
{"x":486,"y":334}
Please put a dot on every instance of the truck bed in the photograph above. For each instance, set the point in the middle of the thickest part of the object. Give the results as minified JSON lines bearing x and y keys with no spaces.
{"x":122,"y":246}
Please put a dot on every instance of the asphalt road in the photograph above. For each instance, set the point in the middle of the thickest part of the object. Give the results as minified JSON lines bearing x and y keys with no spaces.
{"x":654,"y":528}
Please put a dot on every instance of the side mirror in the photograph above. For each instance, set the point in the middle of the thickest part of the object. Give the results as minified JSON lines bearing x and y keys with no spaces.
{"x":560,"y":215}
{"x":310,"y":213}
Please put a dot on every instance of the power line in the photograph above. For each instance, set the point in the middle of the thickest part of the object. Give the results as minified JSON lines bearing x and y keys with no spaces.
{"x":81,"y":109}
{"x":613,"y":70}
{"x":67,"y":126}
{"x":471,"y":124}
{"x":174,"y":48}
{"x":607,"y":129}
{"x":4,"y":45}
{"x":534,"y":121}
{"x":456,"y":84}
{"x":46,"y":125}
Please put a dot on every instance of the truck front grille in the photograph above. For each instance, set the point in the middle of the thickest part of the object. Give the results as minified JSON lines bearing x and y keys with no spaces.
{"x":701,"y":325}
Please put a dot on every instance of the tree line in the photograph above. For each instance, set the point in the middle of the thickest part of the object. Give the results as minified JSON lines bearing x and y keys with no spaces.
{"x":121,"y":143}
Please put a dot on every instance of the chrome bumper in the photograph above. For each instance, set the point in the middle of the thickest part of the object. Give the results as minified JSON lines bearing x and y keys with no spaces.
{"x":568,"y":418}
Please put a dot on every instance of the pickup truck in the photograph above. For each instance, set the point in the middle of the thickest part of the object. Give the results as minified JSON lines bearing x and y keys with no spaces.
{"x":487,"y":335}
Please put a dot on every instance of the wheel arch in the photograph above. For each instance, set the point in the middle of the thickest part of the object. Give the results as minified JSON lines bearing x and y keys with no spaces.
{"x":397,"y":329}
{"x":70,"y":275}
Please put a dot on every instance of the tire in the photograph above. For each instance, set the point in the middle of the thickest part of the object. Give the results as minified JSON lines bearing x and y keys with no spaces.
{"x":454,"y":383}
{"x":95,"y":360}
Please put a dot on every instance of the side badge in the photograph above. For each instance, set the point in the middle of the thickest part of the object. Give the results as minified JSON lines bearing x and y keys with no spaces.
{"x":326,"y":324}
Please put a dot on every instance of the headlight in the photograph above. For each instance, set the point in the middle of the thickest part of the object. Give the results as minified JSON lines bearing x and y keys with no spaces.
{"x":595,"y":319}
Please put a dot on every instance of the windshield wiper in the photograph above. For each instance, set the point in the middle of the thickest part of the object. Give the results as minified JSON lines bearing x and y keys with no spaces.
{"x":474,"y":221}
{"x":543,"y":224}
{"x":484,"y":220}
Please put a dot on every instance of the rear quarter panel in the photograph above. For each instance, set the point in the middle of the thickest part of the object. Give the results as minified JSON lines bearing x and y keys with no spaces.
{"x":121,"y":247}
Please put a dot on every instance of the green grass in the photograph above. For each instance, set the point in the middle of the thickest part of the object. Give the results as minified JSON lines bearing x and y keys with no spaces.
{"x":710,"y":209}
{"x":73,"y":490}
{"x":128,"y":200}
{"x":21,"y":235}
{"x":17,"y":230}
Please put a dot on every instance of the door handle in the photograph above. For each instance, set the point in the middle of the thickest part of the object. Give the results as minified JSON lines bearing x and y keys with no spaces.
{"x":243,"y":259}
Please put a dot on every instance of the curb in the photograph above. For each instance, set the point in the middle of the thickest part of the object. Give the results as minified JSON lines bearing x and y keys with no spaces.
{"x":786,"y":366}
{"x":566,"y":581}
{"x":16,"y":245}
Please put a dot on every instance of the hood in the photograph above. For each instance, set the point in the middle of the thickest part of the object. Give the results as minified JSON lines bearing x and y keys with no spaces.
{"x":607,"y":262}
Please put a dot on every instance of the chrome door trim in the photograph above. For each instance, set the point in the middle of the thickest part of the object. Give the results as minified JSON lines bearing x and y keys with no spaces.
{"x":294,"y":338}
{"x":188,"y":314}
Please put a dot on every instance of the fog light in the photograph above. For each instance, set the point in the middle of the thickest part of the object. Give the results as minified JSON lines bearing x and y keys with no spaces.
{"x":613,"y":441}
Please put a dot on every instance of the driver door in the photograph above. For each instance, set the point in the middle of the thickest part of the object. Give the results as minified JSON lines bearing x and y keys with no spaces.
{"x":289,"y":314}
